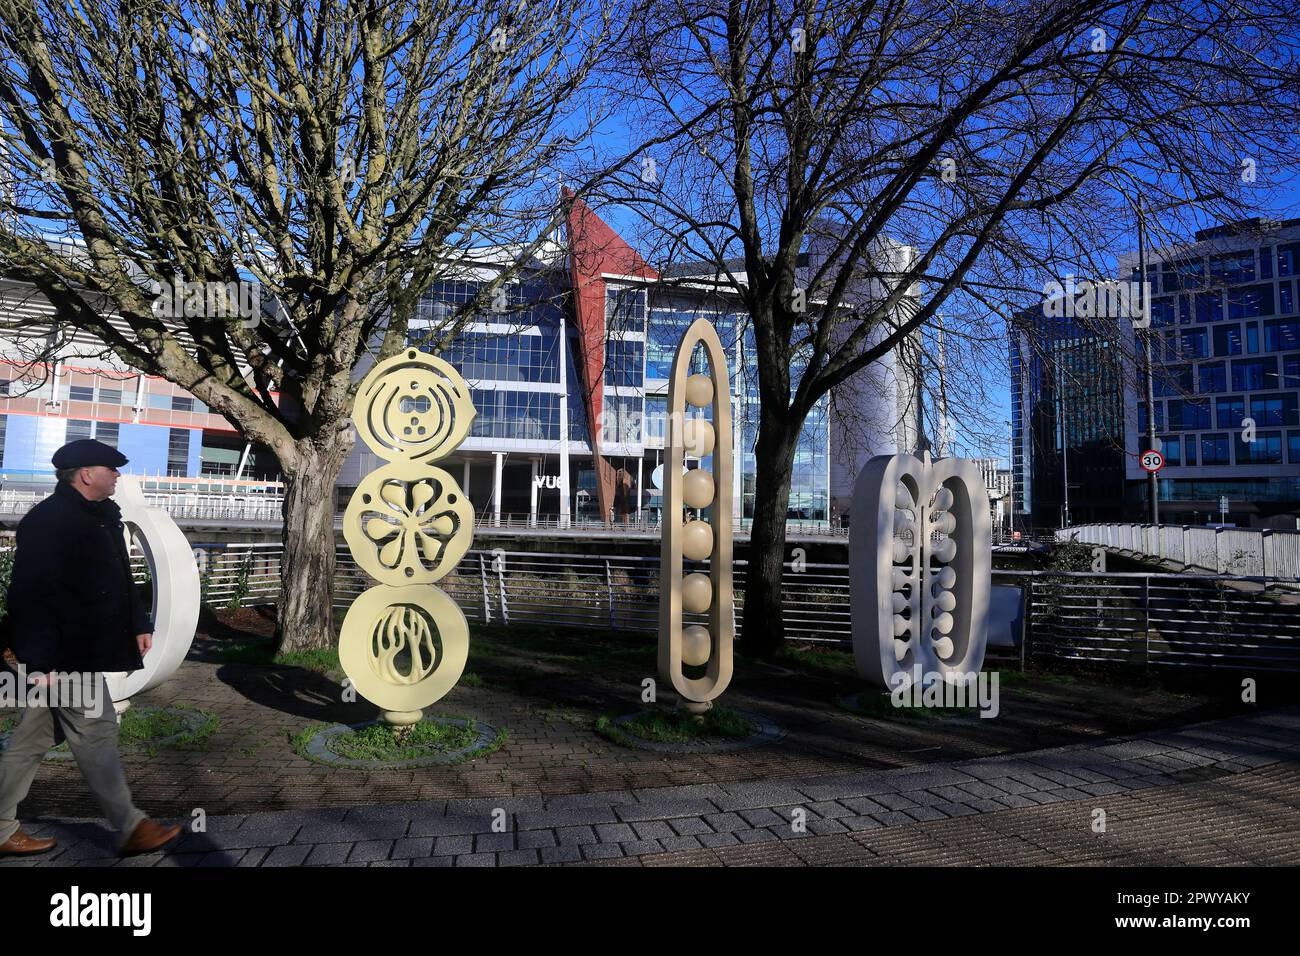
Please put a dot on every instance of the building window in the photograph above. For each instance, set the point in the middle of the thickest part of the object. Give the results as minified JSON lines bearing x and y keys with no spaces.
{"x":1229,"y":411}
{"x":623,"y":362}
{"x":81,"y":393}
{"x":1248,"y":302}
{"x":1288,"y":257}
{"x":497,"y":357}
{"x":1266,"y":449}
{"x":528,"y":416}
{"x":1281,"y":335}
{"x":1172,"y":448}
{"x":1214,"y":449}
{"x":107,"y":433}
{"x":1194,"y":343}
{"x":1188,"y":416}
{"x":178,"y":452}
{"x":1227,"y":340}
{"x":1209,"y":306}
{"x":4,"y":422}
{"x":625,"y":310}
{"x":182,"y":403}
{"x":1213,"y":378}
{"x":621,"y":419}
{"x":1233,"y":266}
{"x":1286,"y":303}
{"x":110,"y":396}
{"x":1266,"y":262}
{"x":1292,"y":447}
{"x":1251,"y":374}
{"x":1274,"y":409}
{"x":77,"y":429}
{"x":656,"y":414}
{"x":1291,"y":371}
{"x":663,"y":335}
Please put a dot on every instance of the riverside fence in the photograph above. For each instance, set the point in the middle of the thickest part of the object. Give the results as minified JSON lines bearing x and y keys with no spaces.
{"x":1262,"y":552}
{"x":1168,"y":620}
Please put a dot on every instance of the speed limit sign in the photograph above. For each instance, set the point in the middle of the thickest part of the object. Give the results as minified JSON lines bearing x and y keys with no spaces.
{"x":1152,"y":461}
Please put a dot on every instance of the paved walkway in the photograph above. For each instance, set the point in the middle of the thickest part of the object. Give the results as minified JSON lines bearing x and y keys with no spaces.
{"x":1222,"y":792}
{"x":547,"y":691}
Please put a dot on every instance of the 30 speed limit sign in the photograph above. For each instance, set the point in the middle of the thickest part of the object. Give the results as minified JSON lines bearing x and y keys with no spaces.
{"x":1153,"y":461}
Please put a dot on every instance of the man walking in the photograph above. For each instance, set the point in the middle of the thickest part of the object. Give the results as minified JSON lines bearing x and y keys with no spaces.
{"x":73,"y":608}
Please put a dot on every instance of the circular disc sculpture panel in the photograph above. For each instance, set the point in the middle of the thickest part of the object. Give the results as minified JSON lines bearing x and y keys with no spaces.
{"x":919,"y":571}
{"x":697,"y":592}
{"x":175,"y":578}
{"x":404,"y":642}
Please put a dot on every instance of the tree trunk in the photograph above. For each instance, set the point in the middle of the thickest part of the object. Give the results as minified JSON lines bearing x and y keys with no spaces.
{"x":306,"y":614}
{"x":764,"y":623}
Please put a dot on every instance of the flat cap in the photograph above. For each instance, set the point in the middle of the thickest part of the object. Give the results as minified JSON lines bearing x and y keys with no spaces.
{"x":85,"y":453}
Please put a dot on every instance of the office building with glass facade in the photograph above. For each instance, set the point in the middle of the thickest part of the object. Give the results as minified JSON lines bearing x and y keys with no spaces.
{"x":1225,"y":371}
{"x":570,"y":379}
{"x":1067,"y":421}
{"x":1226,"y":377}
{"x":163,"y":430}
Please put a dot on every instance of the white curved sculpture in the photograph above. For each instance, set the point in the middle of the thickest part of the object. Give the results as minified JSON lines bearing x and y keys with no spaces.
{"x":919,"y":569}
{"x":175,"y":591}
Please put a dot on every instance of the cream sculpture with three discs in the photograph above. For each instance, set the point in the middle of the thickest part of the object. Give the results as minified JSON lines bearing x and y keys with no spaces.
{"x":404,"y":642}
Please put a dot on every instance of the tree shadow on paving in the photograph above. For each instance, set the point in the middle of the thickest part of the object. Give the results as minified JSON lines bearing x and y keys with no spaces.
{"x":295,"y":691}
{"x":216,"y":633}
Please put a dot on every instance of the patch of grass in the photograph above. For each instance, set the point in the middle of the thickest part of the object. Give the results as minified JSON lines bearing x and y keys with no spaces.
{"x":813,"y":658}
{"x":677,"y":727}
{"x":606,"y":728}
{"x":240,"y":652}
{"x":379,"y":742}
{"x":7,"y":724}
{"x":470,"y":679}
{"x":880,"y":705}
{"x":323,"y":660}
{"x":383,"y":742}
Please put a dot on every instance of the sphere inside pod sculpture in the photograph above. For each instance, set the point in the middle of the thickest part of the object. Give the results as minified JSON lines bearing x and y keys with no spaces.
{"x":696,"y":616}
{"x":919,"y":570}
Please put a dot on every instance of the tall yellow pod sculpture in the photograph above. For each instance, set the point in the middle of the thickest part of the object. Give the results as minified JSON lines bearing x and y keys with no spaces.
{"x":404,"y":641}
{"x":689,"y":536}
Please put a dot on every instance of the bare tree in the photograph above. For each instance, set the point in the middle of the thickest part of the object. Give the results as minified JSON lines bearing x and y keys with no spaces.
{"x":339,"y":158}
{"x":999,"y":145}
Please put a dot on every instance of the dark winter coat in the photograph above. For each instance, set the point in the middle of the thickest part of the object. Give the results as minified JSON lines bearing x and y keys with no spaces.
{"x":72,"y":603}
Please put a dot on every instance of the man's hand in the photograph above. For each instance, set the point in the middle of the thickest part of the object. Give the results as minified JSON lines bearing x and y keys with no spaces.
{"x":145,"y":641}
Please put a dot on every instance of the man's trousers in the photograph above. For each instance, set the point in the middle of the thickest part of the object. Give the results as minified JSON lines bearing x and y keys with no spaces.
{"x":91,"y":737}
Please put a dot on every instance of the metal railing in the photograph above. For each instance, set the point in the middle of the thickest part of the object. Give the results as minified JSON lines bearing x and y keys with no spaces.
{"x":1182,"y":620}
{"x":180,"y":505}
{"x":1259,"y":552}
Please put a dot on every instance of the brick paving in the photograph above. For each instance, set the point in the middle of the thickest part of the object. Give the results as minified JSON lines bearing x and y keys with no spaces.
{"x":1223,"y":792}
{"x":539,"y":689}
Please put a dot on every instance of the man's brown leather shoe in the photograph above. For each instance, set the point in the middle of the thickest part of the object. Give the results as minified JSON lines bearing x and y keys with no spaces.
{"x":149,"y":835}
{"x":22,"y":843}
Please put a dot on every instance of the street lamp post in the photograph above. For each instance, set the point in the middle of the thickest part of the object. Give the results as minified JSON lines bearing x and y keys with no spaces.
{"x":1153,"y":487}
